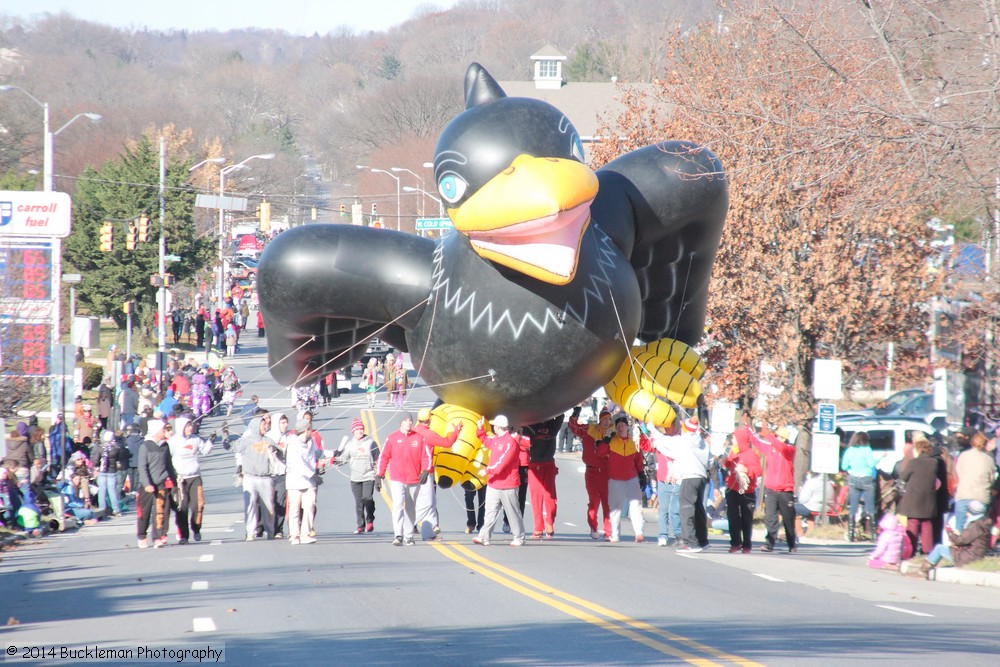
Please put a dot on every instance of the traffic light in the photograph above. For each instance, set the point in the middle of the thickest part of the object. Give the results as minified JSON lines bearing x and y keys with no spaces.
{"x":131,"y":236}
{"x":377,"y":224}
{"x":156,"y":280}
{"x":265,"y":216}
{"x":343,"y":210}
{"x":374,"y":209}
{"x":168,"y":280}
{"x":143,"y":229}
{"x":128,"y":307}
{"x":107,"y":237}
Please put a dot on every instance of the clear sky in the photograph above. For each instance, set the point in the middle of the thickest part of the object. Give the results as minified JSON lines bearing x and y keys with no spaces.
{"x":301,"y":17}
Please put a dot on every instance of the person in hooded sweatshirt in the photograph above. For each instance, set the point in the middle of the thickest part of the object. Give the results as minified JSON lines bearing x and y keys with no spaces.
{"x":257,"y":450}
{"x":888,"y":550}
{"x":361,"y":452}
{"x":156,"y":481}
{"x":186,"y":450}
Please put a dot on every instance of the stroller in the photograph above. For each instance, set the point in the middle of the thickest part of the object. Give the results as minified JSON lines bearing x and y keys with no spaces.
{"x":307,"y":398}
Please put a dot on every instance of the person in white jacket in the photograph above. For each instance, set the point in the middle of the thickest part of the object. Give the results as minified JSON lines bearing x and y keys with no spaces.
{"x":186,"y":450}
{"x":690,"y":453}
{"x":301,"y":456}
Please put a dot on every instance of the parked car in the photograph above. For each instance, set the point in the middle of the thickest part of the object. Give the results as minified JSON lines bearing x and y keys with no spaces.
{"x":886,"y":407}
{"x":886,"y":434}
{"x":243,"y":268}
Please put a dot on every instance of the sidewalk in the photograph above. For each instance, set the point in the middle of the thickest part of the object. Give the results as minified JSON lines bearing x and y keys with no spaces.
{"x":951,"y":575}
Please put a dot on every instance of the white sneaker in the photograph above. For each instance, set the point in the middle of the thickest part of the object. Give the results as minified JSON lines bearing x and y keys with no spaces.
{"x":307,"y":540}
{"x":517,"y":543}
{"x":594,"y":535}
{"x":662,"y":542}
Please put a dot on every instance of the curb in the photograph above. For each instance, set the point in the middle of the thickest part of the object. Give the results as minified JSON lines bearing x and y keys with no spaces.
{"x":953,"y":575}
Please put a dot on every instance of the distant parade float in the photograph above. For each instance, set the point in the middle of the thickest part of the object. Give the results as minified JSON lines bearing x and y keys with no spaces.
{"x":535,"y":300}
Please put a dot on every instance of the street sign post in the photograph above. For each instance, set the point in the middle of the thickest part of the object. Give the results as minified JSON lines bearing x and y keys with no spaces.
{"x":434,"y":223}
{"x":827,"y":418}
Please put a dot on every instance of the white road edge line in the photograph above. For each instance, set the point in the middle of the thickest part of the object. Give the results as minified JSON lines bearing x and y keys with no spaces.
{"x":905,"y":611}
{"x":203,"y":625}
{"x":216,"y":543}
{"x":567,"y":523}
{"x":768,"y":577}
{"x":207,"y":558}
{"x":199,"y":585}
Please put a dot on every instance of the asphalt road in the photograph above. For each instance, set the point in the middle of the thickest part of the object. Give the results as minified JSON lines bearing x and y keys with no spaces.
{"x":355,"y":599}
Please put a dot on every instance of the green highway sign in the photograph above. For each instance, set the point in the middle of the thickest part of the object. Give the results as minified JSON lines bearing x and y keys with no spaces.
{"x":434,"y":223}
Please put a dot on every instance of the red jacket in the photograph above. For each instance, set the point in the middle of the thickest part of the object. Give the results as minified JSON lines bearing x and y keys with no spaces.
{"x":748,"y":459}
{"x":595,"y":452}
{"x":435,"y":441}
{"x":780,"y":457}
{"x":408,"y":455}
{"x":624,"y":460}
{"x":502,"y":472}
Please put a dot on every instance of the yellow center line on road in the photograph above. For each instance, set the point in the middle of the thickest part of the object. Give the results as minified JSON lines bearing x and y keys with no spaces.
{"x":462,"y":554}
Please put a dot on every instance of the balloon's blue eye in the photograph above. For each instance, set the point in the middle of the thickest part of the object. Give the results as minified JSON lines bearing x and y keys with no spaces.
{"x":578,"y":149}
{"x":452,"y":188}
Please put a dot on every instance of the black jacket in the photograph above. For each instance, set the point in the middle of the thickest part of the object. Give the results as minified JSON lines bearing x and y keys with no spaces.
{"x":155,"y":465}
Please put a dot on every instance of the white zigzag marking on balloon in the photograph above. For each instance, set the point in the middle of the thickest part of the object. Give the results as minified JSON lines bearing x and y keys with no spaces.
{"x":457,"y":302}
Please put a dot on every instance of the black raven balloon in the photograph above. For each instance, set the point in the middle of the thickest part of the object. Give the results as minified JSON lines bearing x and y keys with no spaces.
{"x":535,"y":300}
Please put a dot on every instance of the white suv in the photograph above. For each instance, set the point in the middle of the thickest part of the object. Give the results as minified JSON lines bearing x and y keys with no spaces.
{"x":886,"y":434}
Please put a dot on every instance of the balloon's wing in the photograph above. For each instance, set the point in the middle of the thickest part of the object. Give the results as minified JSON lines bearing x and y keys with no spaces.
{"x":677,"y":196}
{"x":325,"y":290}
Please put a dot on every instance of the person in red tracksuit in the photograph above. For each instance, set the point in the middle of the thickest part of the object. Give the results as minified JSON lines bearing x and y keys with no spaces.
{"x":742,"y":466}
{"x":427,"y":513}
{"x":542,"y":473}
{"x":779,"y":486}
{"x":595,"y":457}
{"x":407,"y":458}
{"x":502,"y":480}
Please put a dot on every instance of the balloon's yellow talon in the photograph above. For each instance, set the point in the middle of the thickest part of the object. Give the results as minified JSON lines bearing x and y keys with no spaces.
{"x":465,"y":463}
{"x":655,"y":375}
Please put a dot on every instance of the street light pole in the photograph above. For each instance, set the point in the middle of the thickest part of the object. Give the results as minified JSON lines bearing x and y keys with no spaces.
{"x":421,"y":188}
{"x":222,"y":215}
{"x":395,"y":178}
{"x":427,"y":194}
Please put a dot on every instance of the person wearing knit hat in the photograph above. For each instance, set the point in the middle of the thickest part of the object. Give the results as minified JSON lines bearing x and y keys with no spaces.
{"x":690,"y":425}
{"x":426,"y":509}
{"x":156,"y":479}
{"x":360,"y":453}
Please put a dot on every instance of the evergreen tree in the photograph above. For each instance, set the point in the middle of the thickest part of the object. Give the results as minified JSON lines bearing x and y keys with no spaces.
{"x":120,"y":192}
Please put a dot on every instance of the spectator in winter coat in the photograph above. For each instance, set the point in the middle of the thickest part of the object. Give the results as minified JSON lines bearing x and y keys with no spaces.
{"x":966,"y":547}
{"x":405,"y":456}
{"x":107,"y":456}
{"x":186,"y":450}
{"x":977,"y":472}
{"x":502,"y":480}
{"x":361,"y":453}
{"x":18,"y":457}
{"x":889,"y":548}
{"x":779,"y":486}
{"x":859,"y":464}
{"x":923,"y":476}
{"x":811,"y":497}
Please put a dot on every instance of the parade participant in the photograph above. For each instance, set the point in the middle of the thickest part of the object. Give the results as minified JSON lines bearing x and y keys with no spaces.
{"x":426,"y":512}
{"x":361,"y":453}
{"x":186,"y":450}
{"x":156,"y":481}
{"x":279,"y":433}
{"x":595,"y":458}
{"x":542,"y":473}
{"x":779,"y":486}
{"x":690,"y":454}
{"x":301,"y":457}
{"x":626,"y":479}
{"x":668,"y":496}
{"x":502,"y":480}
{"x":742,"y":467}
{"x":407,"y":460}
{"x":369,"y":381}
{"x":256,"y":452}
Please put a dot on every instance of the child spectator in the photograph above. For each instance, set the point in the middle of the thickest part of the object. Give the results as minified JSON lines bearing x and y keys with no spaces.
{"x":892,"y":541}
